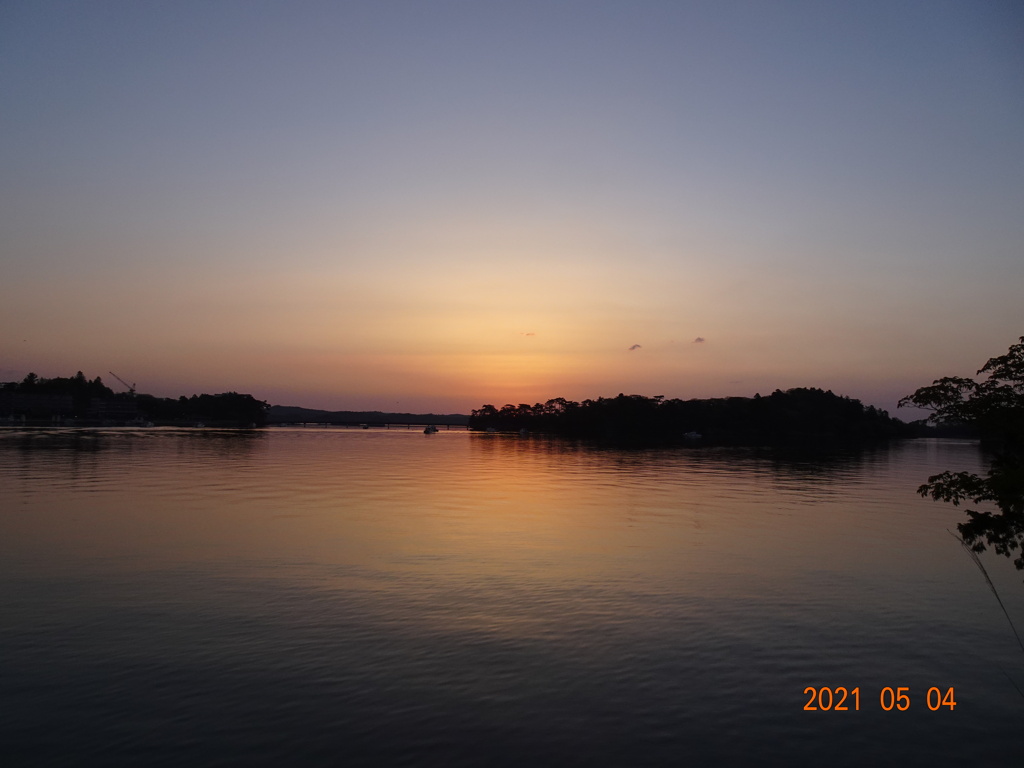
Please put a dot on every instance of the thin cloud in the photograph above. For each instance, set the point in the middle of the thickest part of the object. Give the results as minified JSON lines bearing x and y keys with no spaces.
{"x":635,"y":346}
{"x":698,"y":340}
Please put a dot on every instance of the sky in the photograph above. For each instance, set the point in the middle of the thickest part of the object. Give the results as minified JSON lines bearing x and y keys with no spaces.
{"x":432,"y":205}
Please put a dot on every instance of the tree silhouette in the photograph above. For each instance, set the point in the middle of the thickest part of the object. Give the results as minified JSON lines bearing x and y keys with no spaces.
{"x":995,"y":406}
{"x":796,"y":416}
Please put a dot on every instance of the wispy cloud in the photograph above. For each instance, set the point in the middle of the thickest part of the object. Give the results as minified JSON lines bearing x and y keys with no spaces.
{"x":698,"y":340}
{"x":635,"y":346}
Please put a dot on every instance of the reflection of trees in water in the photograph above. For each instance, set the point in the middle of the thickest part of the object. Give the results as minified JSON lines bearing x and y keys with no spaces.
{"x":83,"y":454}
{"x":996,"y":407}
{"x":87,"y":459}
{"x":63,"y":438}
{"x":71,"y":440}
{"x":78,"y":443}
{"x":826,"y":465}
{"x":1003,"y":486}
{"x":816,"y":469}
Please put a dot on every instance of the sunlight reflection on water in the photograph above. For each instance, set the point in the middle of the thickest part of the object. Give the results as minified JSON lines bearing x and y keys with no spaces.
{"x":318,"y":596}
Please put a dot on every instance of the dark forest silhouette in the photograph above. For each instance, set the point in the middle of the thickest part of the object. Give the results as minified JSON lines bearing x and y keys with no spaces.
{"x":79,"y":399}
{"x":995,"y":408}
{"x":794,"y":415}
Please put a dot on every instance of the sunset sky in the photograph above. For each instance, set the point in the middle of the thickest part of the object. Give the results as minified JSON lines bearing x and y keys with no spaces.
{"x":428,"y":206}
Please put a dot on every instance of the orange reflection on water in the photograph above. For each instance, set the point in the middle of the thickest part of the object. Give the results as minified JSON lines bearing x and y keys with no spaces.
{"x":326,"y":504}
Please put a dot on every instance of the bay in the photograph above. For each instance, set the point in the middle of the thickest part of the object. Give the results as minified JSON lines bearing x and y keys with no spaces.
{"x":383,"y":597}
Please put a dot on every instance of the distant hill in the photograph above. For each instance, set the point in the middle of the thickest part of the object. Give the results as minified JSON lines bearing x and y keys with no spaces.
{"x":292,"y":414}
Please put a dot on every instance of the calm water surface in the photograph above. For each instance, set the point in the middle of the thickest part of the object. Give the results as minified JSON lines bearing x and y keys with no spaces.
{"x":339,"y":597}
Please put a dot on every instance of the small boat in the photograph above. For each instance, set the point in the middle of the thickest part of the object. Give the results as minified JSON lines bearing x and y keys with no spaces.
{"x":430,"y":429}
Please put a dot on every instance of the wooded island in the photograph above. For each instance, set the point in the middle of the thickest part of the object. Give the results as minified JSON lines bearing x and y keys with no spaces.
{"x":794,"y":415}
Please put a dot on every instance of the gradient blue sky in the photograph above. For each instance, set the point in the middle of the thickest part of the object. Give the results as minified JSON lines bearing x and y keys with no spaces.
{"x":433,"y":205}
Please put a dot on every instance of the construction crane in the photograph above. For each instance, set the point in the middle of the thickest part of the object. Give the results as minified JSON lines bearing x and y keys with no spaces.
{"x":131,"y":387}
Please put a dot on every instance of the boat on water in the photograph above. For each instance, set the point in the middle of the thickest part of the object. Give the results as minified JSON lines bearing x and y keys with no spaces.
{"x":429,"y":429}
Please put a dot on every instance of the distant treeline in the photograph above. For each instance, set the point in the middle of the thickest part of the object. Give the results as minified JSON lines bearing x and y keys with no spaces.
{"x":230,"y":408}
{"x":794,"y":415}
{"x":79,"y":398}
{"x":77,"y":387}
{"x":291,"y":414}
